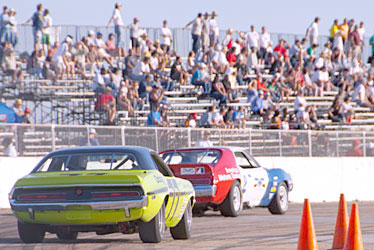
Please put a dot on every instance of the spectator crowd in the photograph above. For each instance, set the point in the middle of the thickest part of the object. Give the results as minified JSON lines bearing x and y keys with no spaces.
{"x":249,"y":64}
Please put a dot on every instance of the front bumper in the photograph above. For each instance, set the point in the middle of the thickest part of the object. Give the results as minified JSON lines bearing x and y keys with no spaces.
{"x":205,"y":191}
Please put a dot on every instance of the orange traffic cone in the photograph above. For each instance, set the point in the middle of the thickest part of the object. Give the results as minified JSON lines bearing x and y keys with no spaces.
{"x":354,"y":238}
{"x":307,"y":235}
{"x":341,"y":225}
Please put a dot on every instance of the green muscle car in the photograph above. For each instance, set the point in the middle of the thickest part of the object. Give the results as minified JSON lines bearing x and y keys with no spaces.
{"x":103,"y":190}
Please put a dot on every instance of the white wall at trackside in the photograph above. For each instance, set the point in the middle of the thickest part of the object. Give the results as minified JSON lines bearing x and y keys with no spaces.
{"x":319,"y":179}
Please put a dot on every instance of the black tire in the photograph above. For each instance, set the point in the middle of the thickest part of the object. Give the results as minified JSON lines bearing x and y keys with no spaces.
{"x":183,"y":229}
{"x":30,"y":233}
{"x":198,"y":211}
{"x":231,"y":206}
{"x":67,"y":235}
{"x":153,"y":231}
{"x":279,"y":203}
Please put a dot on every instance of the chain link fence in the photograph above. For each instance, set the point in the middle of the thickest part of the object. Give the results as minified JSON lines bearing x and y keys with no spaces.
{"x":38,"y":140}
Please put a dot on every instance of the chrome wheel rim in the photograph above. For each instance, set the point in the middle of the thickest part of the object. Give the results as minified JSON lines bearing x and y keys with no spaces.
{"x":283,"y":198}
{"x":161,"y":221}
{"x":236,"y":199}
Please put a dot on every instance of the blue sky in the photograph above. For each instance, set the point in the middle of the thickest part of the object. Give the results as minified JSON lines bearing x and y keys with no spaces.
{"x":286,"y":16}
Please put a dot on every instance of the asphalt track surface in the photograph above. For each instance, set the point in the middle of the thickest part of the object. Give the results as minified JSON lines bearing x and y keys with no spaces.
{"x":253,"y":229}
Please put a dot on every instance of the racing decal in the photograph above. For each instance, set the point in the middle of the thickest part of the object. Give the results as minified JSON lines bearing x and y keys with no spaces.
{"x":159,"y":179}
{"x":188,"y":171}
{"x":273,"y":189}
{"x":259,"y":183}
{"x":200,"y":170}
{"x":231,"y":174}
{"x":3,"y":117}
{"x":184,"y":205}
{"x":225,"y":177}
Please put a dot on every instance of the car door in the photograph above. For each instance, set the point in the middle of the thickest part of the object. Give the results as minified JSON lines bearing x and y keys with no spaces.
{"x":255,"y":179}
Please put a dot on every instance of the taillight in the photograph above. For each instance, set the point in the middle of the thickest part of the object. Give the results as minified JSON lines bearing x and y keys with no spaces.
{"x":42,"y":197}
{"x":200,"y":181}
{"x":115,"y":194}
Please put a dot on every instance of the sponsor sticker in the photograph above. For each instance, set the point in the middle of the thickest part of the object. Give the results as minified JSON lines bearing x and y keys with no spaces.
{"x":200,"y":170}
{"x":273,"y":189}
{"x":3,"y":117}
{"x":188,"y":171}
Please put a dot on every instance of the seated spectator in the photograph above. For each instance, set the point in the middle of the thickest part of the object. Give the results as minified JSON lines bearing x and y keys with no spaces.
{"x":91,"y":140}
{"x":131,"y":61}
{"x":252,"y":91}
{"x":228,"y":118}
{"x":102,"y":48}
{"x":354,"y":151}
{"x":123,"y":101}
{"x":238,"y":118}
{"x":156,"y":96}
{"x":217,"y":118}
{"x":154,"y":118}
{"x":60,"y":57}
{"x":177,"y":72}
{"x":360,"y":94}
{"x":106,"y":102}
{"x":335,"y":112}
{"x":206,"y":119}
{"x":218,"y":91}
{"x":141,"y":69}
{"x":257,"y":105}
{"x":145,"y":87}
{"x":10,"y":149}
{"x":111,"y":45}
{"x":9,"y":64}
{"x":322,"y":80}
{"x":164,"y":115}
{"x":300,"y":102}
{"x":191,"y":121}
{"x":198,"y":80}
{"x":348,"y":112}
{"x":275,"y":122}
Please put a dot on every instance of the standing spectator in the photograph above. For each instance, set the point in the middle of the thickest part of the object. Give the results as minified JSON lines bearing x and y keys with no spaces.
{"x":4,"y":17}
{"x":13,"y":39}
{"x":47,"y":29}
{"x":333,"y":30}
{"x":118,"y":24}
{"x":135,"y":33}
{"x":204,"y":141}
{"x":312,"y":31}
{"x":205,"y":32}
{"x":265,"y":44}
{"x":37,"y":26}
{"x":354,"y":150}
{"x":371,"y":42}
{"x":91,"y":140}
{"x":214,"y":30}
{"x":196,"y":32}
{"x":252,"y":38}
{"x":355,"y":41}
{"x":344,"y":27}
{"x":10,"y":149}
{"x":165,"y":37}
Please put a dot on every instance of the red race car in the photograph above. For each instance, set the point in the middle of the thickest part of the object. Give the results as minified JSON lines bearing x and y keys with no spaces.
{"x":226,"y":178}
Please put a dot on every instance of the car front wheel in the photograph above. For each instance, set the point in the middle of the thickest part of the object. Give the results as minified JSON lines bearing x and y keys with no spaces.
{"x":233,"y":203}
{"x":279,"y":204}
{"x":30,"y":233}
{"x":153,"y":231}
{"x":182,"y":231}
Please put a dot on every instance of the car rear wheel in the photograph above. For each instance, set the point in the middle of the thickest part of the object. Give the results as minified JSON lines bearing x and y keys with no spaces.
{"x":233,"y":203}
{"x":65,"y":234}
{"x":30,"y":233}
{"x":182,"y":231}
{"x":153,"y":231}
{"x":279,"y":204}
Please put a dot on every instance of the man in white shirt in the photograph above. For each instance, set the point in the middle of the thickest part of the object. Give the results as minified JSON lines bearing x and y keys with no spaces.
{"x":204,"y":141}
{"x":165,"y":37}
{"x":118,"y":23}
{"x":359,"y":94}
{"x":59,"y":58}
{"x":312,"y":31}
{"x":205,"y":32}
{"x":252,"y":38}
{"x":300,"y":102}
{"x":322,"y":79}
{"x":214,"y":30}
{"x":47,"y":29}
{"x":265,"y":43}
{"x":196,"y":32}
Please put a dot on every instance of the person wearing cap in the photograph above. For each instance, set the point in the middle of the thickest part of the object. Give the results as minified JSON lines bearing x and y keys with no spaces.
{"x":197,"y":79}
{"x":47,"y":30}
{"x":355,"y":150}
{"x":60,"y":57}
{"x":91,"y":140}
{"x":118,"y":24}
{"x":134,"y":33}
{"x":213,"y":29}
{"x":196,"y":32}
{"x":37,"y":26}
{"x":107,"y":103}
{"x":165,"y":37}
{"x":91,"y":38}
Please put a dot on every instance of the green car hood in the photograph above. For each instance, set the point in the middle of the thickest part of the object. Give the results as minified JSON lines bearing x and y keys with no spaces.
{"x":83,"y":177}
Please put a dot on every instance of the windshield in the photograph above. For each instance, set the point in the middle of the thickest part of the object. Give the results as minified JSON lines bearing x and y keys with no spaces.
{"x":94,"y":161}
{"x":192,"y":157}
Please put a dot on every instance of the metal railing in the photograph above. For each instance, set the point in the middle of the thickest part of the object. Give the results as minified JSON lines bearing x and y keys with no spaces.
{"x":181,"y":39}
{"x":37,"y":140}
